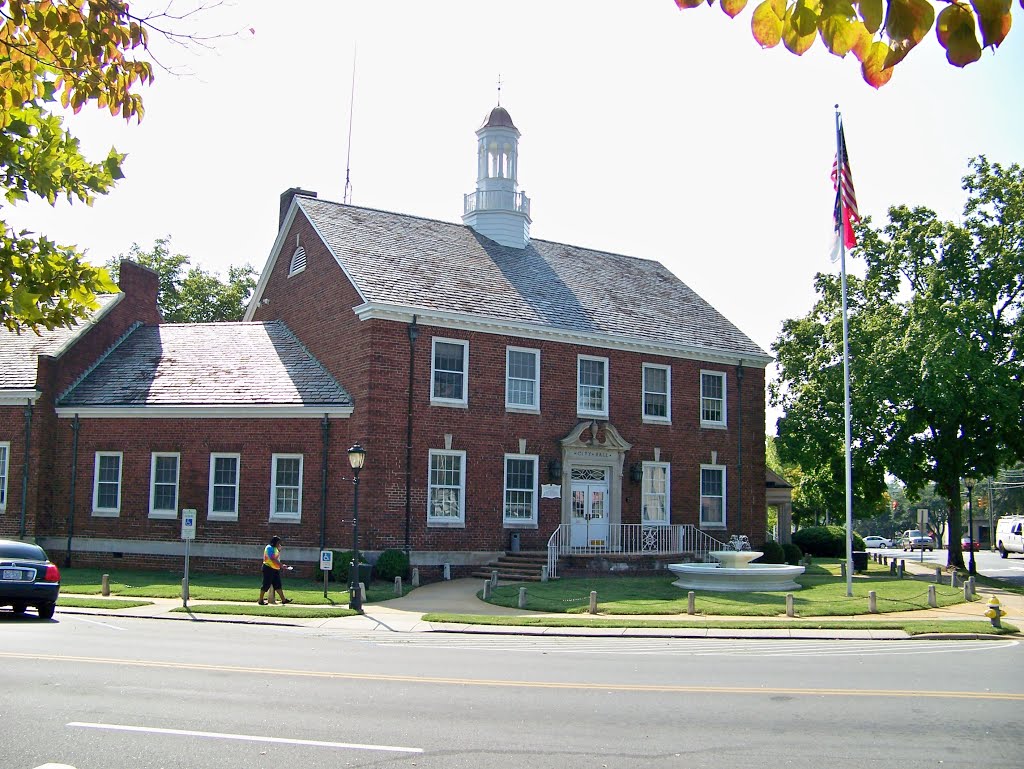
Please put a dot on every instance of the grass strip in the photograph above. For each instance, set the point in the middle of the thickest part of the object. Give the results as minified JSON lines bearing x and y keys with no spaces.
{"x":255,"y":610}
{"x":99,"y":603}
{"x":912,"y":627}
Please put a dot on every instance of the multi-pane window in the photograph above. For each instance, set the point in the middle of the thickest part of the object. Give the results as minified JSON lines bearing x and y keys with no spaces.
{"x":592,"y":386}
{"x":448,"y":366}
{"x":286,"y":487}
{"x":163,"y":485}
{"x":5,"y":460}
{"x":657,"y":386}
{"x":712,"y":496}
{"x":446,"y":498}
{"x":522,"y":378}
{"x":106,"y":489}
{"x":655,"y":493}
{"x":224,"y":472}
{"x":712,"y":398}
{"x":520,"y":488}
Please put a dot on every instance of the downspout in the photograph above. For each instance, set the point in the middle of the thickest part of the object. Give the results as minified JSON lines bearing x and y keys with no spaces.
{"x":25,"y":468}
{"x":325,"y":433}
{"x":74,"y":476}
{"x":739,"y":445}
{"x":414,"y":332}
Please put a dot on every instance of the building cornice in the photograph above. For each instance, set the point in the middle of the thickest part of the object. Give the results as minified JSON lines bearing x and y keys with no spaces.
{"x":497,"y":326}
{"x":205,"y":412}
{"x":19,"y":397}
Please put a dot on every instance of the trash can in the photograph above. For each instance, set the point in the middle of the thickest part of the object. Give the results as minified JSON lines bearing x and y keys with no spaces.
{"x":514,"y":542}
{"x":860,"y":560}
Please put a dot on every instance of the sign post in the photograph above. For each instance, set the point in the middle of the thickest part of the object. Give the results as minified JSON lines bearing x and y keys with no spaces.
{"x":922,"y":524}
{"x":188,"y":533}
{"x":326,"y":564}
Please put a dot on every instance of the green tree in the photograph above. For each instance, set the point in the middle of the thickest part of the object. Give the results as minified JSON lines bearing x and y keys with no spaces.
{"x":189,"y":294}
{"x":936,"y":332}
{"x":879,"y":33}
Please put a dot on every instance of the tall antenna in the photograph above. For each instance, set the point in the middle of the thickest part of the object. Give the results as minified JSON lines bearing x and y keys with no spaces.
{"x":499,"y":89}
{"x":347,"y":195}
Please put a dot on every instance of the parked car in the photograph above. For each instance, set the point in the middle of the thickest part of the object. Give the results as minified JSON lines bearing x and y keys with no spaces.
{"x":915,"y":539}
{"x":1010,"y":534}
{"x":874,"y":541}
{"x":27,"y":578}
{"x":965,"y":544}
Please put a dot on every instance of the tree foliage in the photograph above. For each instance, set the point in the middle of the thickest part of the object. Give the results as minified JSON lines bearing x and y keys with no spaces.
{"x":63,"y":54}
{"x":879,"y":33}
{"x":936,"y":333}
{"x":190,"y":294}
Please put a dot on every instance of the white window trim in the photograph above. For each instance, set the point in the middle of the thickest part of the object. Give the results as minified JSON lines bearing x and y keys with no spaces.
{"x":668,"y":493}
{"x":509,"y":406}
{"x":107,"y":512}
{"x":153,"y":512}
{"x":5,"y":473}
{"x":436,"y":400}
{"x":295,"y":517}
{"x":222,"y":515}
{"x":523,"y":522}
{"x":441,"y":523}
{"x":725,"y":499}
{"x":667,"y":419}
{"x":725,"y":400}
{"x":604,"y":404}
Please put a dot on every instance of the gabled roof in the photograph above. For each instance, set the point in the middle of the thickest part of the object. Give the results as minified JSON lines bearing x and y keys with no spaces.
{"x":19,"y":353}
{"x":425,"y":264}
{"x":208,"y":364}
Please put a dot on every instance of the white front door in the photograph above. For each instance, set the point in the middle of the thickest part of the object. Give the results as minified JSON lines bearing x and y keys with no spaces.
{"x":589,"y":507}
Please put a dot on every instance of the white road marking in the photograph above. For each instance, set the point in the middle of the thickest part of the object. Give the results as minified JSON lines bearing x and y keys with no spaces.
{"x":96,"y":622}
{"x":242,"y":737}
{"x":55,"y":766}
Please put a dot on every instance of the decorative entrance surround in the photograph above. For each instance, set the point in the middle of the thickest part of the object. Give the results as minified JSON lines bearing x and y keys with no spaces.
{"x":590,"y":448}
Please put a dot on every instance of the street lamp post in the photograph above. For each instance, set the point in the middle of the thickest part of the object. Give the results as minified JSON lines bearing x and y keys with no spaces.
{"x":356,"y":458}
{"x":969,"y":483}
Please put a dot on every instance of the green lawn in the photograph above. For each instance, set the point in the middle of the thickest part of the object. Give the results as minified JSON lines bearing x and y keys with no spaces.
{"x":290,"y":612}
{"x":99,"y":603}
{"x":212,"y":587}
{"x":823,"y":594}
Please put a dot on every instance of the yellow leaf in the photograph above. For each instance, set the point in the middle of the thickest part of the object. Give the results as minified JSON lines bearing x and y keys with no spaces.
{"x":955,"y":30}
{"x":873,"y":68}
{"x":909,"y":20}
{"x":799,"y":28}
{"x":994,"y":19}
{"x":766,"y":23}
{"x":684,"y":4}
{"x":733,"y":7}
{"x":871,"y":14}
{"x":840,"y":34}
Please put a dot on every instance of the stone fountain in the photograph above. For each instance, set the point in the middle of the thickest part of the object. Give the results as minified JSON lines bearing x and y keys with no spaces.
{"x":734,"y":572}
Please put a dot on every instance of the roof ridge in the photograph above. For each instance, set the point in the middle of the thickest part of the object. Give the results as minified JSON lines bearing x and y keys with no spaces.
{"x":106,"y":353}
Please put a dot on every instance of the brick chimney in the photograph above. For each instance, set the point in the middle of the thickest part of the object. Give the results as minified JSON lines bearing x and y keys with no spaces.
{"x":140,"y":286}
{"x":286,"y":201}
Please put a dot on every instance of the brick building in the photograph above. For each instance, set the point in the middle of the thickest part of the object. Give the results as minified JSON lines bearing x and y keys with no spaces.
{"x":508,"y":392}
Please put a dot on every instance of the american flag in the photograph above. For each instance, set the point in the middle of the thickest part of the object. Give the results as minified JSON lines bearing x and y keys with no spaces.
{"x":846,"y":199}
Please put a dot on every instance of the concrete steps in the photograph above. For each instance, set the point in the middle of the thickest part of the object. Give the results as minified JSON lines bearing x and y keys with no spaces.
{"x":515,"y":567}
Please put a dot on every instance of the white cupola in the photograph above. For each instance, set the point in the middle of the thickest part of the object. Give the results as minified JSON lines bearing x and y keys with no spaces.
{"x":496,"y":210}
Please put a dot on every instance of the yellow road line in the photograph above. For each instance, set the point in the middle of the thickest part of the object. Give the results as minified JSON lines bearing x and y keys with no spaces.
{"x":661,"y":688}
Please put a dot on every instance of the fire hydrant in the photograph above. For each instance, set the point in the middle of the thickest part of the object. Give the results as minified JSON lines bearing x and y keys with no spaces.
{"x":995,"y":611}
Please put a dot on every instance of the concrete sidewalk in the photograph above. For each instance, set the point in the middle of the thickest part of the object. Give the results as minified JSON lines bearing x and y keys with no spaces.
{"x":405,"y":615}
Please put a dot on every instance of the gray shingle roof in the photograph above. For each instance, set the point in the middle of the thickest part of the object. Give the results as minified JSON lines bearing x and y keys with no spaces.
{"x":425,"y":263}
{"x":208,"y":364}
{"x":19,"y":353}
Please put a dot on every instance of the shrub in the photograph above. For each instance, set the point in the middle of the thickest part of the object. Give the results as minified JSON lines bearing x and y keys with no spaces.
{"x":340,"y":566}
{"x":793,"y":553}
{"x":391,"y":563}
{"x":825,"y":541}
{"x":773,"y":553}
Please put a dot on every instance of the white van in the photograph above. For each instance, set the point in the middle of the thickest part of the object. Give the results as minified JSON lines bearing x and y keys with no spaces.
{"x":1009,"y":534}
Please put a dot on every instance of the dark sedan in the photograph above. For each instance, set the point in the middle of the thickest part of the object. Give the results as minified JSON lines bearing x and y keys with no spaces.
{"x":965,"y":544}
{"x":27,"y":578}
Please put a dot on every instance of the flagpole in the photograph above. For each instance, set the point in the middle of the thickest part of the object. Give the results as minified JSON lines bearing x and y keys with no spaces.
{"x":841,"y":163}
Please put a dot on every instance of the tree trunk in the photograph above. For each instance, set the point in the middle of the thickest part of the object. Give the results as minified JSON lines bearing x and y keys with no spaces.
{"x":951,"y":493}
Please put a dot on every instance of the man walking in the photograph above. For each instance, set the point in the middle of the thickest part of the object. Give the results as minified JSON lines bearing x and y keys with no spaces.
{"x":272,"y":571}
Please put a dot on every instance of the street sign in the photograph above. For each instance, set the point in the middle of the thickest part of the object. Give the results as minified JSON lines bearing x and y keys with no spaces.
{"x":326,"y":560}
{"x":922,"y":519}
{"x":188,"y":524}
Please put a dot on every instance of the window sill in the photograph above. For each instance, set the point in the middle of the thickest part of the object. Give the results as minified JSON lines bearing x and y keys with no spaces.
{"x":446,"y":524}
{"x":166,"y":515}
{"x":591,"y":415}
{"x":715,"y":526}
{"x":656,"y":421}
{"x":519,"y":524}
{"x":521,"y":409}
{"x":713,"y":426}
{"x":655,"y":524}
{"x":449,"y":404}
{"x":226,"y":517}
{"x":106,"y":513}
{"x":285,"y":519}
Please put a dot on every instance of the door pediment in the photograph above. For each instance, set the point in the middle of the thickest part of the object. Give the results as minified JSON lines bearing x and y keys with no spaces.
{"x":591,"y":435}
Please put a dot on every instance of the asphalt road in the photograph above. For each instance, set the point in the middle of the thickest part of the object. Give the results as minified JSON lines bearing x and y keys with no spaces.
{"x":987,"y":562}
{"x":103,"y":693}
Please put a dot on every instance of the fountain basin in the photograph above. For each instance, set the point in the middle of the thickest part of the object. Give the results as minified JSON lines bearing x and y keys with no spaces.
{"x":734,"y":573}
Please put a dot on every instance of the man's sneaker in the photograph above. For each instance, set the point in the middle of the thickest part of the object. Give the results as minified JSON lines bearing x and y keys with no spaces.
{"x":286,"y":600}
{"x":262,"y":603}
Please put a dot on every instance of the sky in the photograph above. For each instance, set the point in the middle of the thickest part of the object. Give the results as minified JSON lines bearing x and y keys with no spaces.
{"x":646,"y":131}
